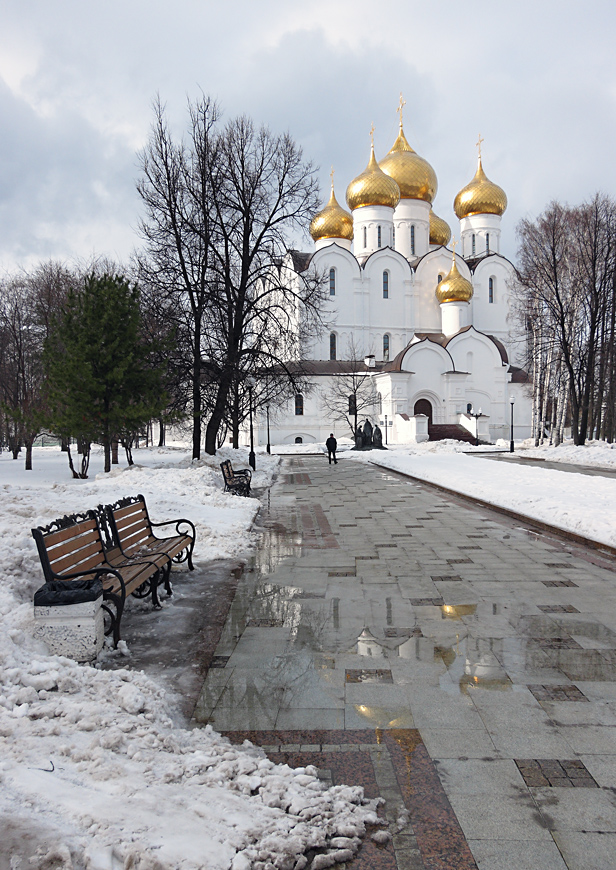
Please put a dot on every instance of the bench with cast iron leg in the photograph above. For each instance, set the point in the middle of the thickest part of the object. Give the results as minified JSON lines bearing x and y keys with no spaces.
{"x":237,"y":482}
{"x":72,"y":548}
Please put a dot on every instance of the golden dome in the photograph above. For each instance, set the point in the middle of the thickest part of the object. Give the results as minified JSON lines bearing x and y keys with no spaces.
{"x":372,"y":187}
{"x":481,"y":196}
{"x":414,"y":175}
{"x":332,"y":222}
{"x":454,"y":288}
{"x":440,"y":231}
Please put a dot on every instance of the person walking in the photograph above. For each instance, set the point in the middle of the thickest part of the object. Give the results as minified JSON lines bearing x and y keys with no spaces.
{"x":332,"y":446}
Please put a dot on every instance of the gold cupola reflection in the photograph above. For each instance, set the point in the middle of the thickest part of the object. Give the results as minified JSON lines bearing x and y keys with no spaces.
{"x":454,"y":287}
{"x":480,"y":196}
{"x":372,"y":187}
{"x":333,"y":221}
{"x":414,"y":175}
{"x":440,"y":231}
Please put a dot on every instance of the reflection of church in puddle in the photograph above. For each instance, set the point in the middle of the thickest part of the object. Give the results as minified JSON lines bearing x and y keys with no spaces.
{"x":432,"y":323}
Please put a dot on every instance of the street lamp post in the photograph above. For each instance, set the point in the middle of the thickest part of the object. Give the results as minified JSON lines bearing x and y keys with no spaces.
{"x":268,"y":448}
{"x":476,"y":415}
{"x":512,"y":402}
{"x":251,"y":456}
{"x":385,"y":428}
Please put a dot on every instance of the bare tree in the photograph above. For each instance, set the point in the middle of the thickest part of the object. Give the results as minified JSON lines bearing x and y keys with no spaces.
{"x":351,"y":393}
{"x":219,"y":208}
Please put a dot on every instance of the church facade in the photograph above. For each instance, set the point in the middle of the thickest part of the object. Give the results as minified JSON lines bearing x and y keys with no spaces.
{"x":425,"y":327}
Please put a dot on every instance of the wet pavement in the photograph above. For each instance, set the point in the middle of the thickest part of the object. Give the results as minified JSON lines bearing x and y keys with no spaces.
{"x":450,"y":660}
{"x":570,"y":467}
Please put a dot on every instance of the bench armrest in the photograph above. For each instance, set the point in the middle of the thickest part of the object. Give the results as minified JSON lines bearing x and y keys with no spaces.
{"x":177,"y":526}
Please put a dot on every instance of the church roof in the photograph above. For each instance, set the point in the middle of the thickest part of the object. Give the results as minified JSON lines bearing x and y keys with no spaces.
{"x":300,"y":260}
{"x":443,"y":340}
{"x":332,"y":367}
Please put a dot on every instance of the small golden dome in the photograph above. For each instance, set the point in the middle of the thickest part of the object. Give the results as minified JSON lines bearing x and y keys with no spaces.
{"x":440,"y":231}
{"x":481,"y":196}
{"x":332,"y":222}
{"x":372,"y":187}
{"x":414,"y":175}
{"x":454,"y":288}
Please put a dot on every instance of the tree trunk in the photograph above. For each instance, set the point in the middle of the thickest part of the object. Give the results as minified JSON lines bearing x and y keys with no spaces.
{"x":114,"y":452}
{"x":196,"y":393}
{"x":29,"y":442}
{"x":161,"y":433}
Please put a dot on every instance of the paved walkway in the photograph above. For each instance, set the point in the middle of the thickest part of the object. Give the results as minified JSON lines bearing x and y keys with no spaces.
{"x":570,"y":467}
{"x":442,"y":656}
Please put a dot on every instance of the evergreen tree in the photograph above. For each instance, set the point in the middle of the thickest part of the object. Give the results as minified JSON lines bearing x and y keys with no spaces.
{"x":101,"y":386}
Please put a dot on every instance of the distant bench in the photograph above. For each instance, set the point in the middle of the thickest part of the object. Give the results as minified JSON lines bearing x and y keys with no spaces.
{"x":116,"y":544}
{"x":237,"y":482}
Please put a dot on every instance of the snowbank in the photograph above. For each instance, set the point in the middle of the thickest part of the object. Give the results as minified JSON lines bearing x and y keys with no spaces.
{"x":93,"y":771}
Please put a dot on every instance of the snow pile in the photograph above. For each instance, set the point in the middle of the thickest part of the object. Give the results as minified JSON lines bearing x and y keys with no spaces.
{"x":593,"y":453}
{"x":93,"y":771}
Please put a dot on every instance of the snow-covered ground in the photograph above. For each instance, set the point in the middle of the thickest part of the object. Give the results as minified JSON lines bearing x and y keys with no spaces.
{"x":575,"y":502}
{"x":95,"y":772}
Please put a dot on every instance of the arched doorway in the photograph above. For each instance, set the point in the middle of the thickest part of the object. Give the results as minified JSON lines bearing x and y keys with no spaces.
{"x":424,"y":406}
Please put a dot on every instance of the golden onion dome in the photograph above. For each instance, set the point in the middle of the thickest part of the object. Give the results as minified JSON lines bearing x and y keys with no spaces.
{"x":480,"y":196}
{"x":372,"y":187}
{"x":454,"y":288}
{"x":440,"y":231}
{"x":414,"y":175}
{"x":332,"y":222}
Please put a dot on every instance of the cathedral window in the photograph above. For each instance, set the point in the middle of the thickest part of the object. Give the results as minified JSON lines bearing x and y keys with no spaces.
{"x":332,"y":282}
{"x":352,"y":404}
{"x":491,"y":285}
{"x":413,"y":240}
{"x":299,"y":440}
{"x":385,"y":285}
{"x":299,"y":405}
{"x":332,"y":345}
{"x":386,"y":347}
{"x":439,"y":279}
{"x":365,"y":238}
{"x":473,"y":244}
{"x":378,"y":236}
{"x":487,"y":243}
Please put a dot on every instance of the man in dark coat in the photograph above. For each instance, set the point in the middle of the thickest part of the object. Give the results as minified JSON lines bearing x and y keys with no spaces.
{"x":332,"y":446}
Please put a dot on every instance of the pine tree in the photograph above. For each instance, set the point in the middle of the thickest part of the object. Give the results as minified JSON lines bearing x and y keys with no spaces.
{"x":100,"y":384}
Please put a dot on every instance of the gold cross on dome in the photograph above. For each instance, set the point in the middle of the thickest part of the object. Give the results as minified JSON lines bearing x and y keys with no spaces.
{"x":372,"y":134}
{"x":478,"y":143}
{"x":401,"y":105}
{"x":453,"y":245}
{"x":331,"y":175}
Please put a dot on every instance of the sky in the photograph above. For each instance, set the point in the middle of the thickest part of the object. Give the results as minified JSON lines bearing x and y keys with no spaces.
{"x":537,"y":80}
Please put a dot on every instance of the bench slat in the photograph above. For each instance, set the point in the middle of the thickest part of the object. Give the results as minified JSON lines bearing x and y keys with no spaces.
{"x":54,"y":538}
{"x":80,"y":560}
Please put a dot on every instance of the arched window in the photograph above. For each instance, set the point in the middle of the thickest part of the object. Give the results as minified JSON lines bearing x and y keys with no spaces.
{"x":491,"y":287}
{"x":487,"y":243}
{"x":332,"y":345}
{"x":299,"y":405}
{"x":299,"y":440}
{"x":365,"y":237}
{"x":385,"y":285}
{"x":332,"y":282}
{"x":393,"y":237}
{"x":473,"y":243}
{"x":353,"y":404}
{"x":386,"y":347}
{"x":378,"y":236}
{"x":439,"y":279}
{"x":413,"y":240}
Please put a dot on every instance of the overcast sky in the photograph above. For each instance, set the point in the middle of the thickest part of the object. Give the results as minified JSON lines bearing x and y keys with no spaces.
{"x":537,"y":79}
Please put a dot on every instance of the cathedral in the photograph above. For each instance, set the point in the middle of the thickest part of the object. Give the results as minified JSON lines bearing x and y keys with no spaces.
{"x":423,"y":325}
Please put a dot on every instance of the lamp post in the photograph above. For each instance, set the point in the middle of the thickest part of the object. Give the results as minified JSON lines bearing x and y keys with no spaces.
{"x":385,"y":428}
{"x":476,"y":415}
{"x":250,"y":382}
{"x":268,"y":448}
{"x":512,"y":402}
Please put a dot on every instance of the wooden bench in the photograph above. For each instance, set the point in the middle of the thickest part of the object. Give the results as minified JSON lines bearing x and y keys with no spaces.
{"x":237,"y":482}
{"x":72,"y":548}
{"x":131,"y":536}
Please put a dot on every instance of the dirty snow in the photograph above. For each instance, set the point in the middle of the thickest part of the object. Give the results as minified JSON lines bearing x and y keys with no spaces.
{"x":94,"y":771}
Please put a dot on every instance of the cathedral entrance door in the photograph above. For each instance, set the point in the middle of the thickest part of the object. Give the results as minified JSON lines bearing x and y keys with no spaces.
{"x":423,"y":406}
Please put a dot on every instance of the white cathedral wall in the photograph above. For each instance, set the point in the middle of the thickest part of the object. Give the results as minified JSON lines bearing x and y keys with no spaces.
{"x":480,"y":226}
{"x":412,"y":213}
{"x":492,"y":317}
{"x":370,"y":218}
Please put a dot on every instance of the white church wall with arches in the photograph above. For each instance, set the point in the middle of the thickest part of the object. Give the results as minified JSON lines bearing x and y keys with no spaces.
{"x":433,"y":320}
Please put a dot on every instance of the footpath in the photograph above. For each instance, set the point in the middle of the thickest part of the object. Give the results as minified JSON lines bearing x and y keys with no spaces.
{"x":443,"y":655}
